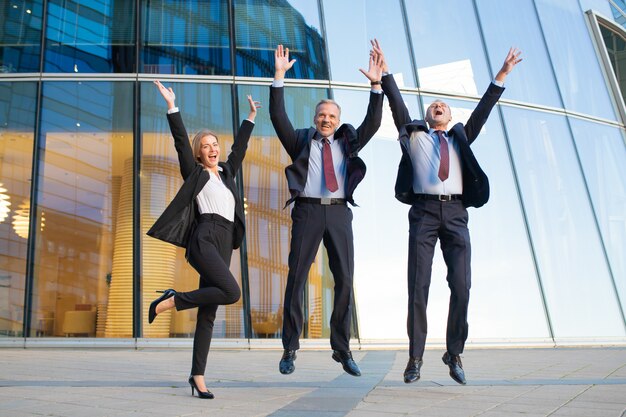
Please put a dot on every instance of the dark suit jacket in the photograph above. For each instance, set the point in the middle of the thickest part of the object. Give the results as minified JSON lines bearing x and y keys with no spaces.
{"x":475,"y":182}
{"x":297,"y":143}
{"x":178,"y":220}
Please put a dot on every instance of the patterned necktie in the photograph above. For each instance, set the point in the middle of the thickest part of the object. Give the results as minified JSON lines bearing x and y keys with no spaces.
{"x":444,"y":163}
{"x":329,"y":167}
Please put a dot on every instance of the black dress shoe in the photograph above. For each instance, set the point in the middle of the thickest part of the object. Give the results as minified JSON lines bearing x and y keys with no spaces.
{"x":412,"y":371}
{"x":456,"y":367}
{"x":153,"y":305}
{"x":206,"y":395}
{"x":349,"y":365}
{"x":286,"y":365}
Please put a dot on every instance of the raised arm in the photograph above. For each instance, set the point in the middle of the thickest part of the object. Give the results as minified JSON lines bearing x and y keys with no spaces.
{"x":186,"y":159}
{"x":278,"y":115}
{"x":398,"y":108}
{"x":240,"y":145}
{"x":480,"y":114}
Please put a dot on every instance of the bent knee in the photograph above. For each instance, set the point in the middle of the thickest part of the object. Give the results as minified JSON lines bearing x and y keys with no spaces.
{"x":233,"y":295}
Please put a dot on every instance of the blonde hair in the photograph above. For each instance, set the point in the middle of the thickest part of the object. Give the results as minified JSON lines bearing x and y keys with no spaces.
{"x":195,"y":142}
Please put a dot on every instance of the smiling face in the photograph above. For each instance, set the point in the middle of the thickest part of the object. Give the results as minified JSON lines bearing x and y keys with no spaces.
{"x":326,"y":118}
{"x":209,"y":152}
{"x":438,"y":115}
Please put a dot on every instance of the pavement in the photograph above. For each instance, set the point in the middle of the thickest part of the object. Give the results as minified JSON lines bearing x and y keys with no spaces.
{"x":515,"y":382}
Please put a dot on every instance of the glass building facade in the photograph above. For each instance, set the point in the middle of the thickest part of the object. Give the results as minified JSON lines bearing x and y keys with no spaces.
{"x":87,"y":162}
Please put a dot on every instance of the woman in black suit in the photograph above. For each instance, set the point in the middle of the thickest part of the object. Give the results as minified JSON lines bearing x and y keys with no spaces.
{"x":206,"y":218}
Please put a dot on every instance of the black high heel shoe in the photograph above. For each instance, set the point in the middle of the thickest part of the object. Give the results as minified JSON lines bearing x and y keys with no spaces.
{"x":208,"y":395}
{"x":153,"y":305}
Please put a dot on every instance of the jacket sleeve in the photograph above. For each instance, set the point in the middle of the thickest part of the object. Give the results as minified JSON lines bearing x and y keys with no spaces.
{"x":282,"y":125}
{"x":373,"y":119}
{"x":240,"y":145}
{"x":186,"y":159}
{"x":479,"y":116}
{"x":398,"y":108}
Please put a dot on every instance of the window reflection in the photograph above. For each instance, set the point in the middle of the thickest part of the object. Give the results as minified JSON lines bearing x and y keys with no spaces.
{"x":202,"y":106}
{"x":580,"y":78}
{"x":83,"y":260}
{"x":532,"y":81}
{"x":185,"y":37}
{"x":17,"y":122}
{"x":261,"y":25}
{"x":562,"y":228}
{"x":20,"y":36}
{"x":601,"y":151}
{"x":268,"y":224}
{"x":88,"y":37}
{"x":349,"y":49}
{"x":450,"y":28}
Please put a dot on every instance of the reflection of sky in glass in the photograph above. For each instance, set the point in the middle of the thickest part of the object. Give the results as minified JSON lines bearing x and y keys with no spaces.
{"x":580,"y":78}
{"x":445,"y":37}
{"x":532,"y":80}
{"x":602,"y":153}
{"x":349,"y":48}
{"x":572,"y":267}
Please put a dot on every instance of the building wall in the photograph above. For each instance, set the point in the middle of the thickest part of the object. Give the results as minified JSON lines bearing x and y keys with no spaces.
{"x":87,"y":162}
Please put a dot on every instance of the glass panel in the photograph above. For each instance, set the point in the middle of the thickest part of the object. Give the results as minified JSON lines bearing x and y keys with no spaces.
{"x":458,"y":65}
{"x":505,"y":25}
{"x":580,"y":298}
{"x":17,"y":125}
{"x":185,"y":37}
{"x":574,"y":58}
{"x":349,"y":49}
{"x":20,"y":36}
{"x":203,"y":106}
{"x":269,"y":225}
{"x":616,"y":49}
{"x":88,"y":37}
{"x":619,"y":14}
{"x":83,"y":260}
{"x":260,"y":27}
{"x":603,"y":156}
{"x":601,"y":6}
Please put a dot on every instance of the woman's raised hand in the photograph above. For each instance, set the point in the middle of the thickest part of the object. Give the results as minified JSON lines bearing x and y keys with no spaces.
{"x":167,"y":93}
{"x":253,"y":106}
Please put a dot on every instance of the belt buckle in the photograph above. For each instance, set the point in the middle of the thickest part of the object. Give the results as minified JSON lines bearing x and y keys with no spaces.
{"x":325,"y":201}
{"x":443,"y":197}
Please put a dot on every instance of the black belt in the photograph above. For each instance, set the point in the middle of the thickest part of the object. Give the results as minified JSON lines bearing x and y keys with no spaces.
{"x":322,"y":201}
{"x":438,"y":197}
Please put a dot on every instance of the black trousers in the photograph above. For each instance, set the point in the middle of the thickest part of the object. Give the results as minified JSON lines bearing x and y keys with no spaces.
{"x":209,"y":252}
{"x":446,"y":221}
{"x":312,"y":224}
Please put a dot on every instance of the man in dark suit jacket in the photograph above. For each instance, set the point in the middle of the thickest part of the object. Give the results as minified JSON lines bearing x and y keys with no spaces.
{"x":439,"y":177}
{"x":325,"y":171}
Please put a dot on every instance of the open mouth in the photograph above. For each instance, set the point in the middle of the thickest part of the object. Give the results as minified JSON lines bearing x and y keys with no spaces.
{"x":438,"y":112}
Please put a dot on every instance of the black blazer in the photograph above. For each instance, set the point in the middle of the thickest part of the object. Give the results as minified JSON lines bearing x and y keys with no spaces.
{"x":475,"y":181}
{"x":297,"y":143}
{"x":178,"y":220}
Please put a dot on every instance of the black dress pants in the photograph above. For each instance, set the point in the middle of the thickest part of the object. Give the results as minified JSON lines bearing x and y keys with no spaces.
{"x":311,"y":224}
{"x":209,"y":252}
{"x":447,"y":221}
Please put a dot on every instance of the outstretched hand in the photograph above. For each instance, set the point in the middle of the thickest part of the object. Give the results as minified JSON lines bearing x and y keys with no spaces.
{"x":375,"y":70}
{"x":511,"y":60}
{"x":253,"y":106}
{"x":377,"y":51}
{"x":167,"y":93}
{"x":282,"y":64}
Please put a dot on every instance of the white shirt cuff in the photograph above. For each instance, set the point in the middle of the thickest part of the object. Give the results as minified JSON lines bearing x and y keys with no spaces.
{"x":376,"y":91}
{"x":173,"y":110}
{"x":278,"y":83}
{"x":498,"y":83}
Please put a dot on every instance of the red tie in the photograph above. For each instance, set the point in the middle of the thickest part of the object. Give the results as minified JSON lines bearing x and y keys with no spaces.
{"x":329,"y":168}
{"x":444,"y":163}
